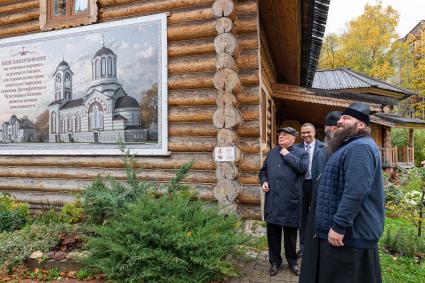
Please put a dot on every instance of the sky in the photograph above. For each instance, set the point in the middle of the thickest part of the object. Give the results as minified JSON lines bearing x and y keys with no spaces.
{"x":138,"y":61}
{"x":342,"y":11}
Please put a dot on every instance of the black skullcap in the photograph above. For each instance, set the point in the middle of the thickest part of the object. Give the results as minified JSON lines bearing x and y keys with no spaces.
{"x":332,"y":118}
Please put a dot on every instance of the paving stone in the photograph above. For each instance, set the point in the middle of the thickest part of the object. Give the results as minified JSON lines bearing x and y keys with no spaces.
{"x":260,"y":280}
{"x":261,"y":268}
{"x":257,"y":271}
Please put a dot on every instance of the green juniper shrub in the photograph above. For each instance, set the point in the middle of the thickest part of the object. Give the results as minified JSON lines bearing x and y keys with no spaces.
{"x":17,"y":245}
{"x":166,"y":239}
{"x":150,"y":238}
{"x":175,"y":183}
{"x":105,"y":198}
{"x":13,"y":216}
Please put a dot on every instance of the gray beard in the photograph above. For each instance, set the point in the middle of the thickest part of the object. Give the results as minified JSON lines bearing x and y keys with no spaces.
{"x":328,"y":137}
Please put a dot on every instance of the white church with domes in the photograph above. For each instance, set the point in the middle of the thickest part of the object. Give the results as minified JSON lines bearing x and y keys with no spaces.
{"x":105,"y":114}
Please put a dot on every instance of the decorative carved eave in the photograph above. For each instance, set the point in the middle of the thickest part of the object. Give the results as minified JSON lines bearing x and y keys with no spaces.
{"x":301,"y":94}
{"x":376,"y":120}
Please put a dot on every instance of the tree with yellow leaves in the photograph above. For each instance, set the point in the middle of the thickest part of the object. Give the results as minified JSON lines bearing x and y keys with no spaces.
{"x":418,"y":81}
{"x":365,"y":44}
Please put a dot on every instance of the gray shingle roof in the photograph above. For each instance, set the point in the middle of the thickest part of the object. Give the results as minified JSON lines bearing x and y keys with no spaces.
{"x":397,"y":119}
{"x":343,"y":78}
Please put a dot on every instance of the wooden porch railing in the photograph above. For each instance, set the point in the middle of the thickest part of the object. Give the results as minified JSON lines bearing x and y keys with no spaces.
{"x":389,"y":156}
{"x":408,"y":154}
{"x":392,"y":155}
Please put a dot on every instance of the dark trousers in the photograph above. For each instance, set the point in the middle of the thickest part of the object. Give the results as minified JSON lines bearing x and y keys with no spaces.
{"x":305,"y":209}
{"x":274,"y":239}
{"x":348,"y":265}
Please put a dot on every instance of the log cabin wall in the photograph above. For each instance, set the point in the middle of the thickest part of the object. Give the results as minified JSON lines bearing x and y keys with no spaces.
{"x":191,"y":102}
{"x":268,"y":77}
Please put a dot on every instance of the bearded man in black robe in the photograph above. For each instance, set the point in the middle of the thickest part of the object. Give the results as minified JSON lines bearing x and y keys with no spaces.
{"x":350,"y":212}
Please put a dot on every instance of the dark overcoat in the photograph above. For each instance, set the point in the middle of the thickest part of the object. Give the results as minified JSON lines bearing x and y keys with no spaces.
{"x":284,"y":175}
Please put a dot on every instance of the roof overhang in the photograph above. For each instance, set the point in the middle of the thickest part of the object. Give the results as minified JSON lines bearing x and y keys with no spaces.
{"x":379,"y":91}
{"x":401,"y":122}
{"x":325,"y":97}
{"x":295,"y":29}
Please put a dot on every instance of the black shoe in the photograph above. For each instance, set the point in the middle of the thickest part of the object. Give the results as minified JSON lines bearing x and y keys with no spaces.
{"x":295,"y":269}
{"x":274,"y":269}
{"x":300,"y":254}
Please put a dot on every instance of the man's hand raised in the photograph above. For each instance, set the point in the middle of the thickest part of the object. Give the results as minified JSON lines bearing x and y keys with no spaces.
{"x":284,"y":151}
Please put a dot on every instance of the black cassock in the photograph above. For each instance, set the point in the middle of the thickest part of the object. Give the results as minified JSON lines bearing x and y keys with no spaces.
{"x":324,"y":263}
{"x":311,"y":246}
{"x":347,"y":265}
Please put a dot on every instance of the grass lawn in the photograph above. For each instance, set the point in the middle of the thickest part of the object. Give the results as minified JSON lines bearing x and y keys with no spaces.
{"x":401,"y":269}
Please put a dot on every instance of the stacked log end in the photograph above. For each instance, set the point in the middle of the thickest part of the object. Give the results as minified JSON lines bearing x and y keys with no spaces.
{"x":227,"y":118}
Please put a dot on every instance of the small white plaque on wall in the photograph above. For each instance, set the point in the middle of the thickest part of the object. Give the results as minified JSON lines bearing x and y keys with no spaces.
{"x":224,"y":153}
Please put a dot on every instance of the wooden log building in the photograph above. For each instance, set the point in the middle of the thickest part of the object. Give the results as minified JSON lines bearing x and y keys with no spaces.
{"x":225,"y":58}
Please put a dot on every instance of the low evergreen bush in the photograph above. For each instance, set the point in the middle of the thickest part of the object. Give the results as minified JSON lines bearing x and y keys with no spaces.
{"x":105,"y":198}
{"x":169,"y":239}
{"x":139,"y":236}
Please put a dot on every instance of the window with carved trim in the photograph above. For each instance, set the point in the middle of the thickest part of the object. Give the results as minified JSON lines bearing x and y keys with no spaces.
{"x":56,"y":14}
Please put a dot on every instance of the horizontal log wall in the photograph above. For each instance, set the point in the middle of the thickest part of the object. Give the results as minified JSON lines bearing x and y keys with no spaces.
{"x":192,"y":102}
{"x":268,"y":76}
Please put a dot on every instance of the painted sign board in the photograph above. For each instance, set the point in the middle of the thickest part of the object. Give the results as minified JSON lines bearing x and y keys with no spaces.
{"x":81,"y":91}
{"x":224,"y":154}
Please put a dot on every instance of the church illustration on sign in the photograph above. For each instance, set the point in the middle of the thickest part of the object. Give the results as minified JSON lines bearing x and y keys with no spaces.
{"x":104,"y":114}
{"x":17,"y":130}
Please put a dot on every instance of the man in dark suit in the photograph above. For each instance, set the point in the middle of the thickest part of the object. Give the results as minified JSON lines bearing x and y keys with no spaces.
{"x":317,"y":161}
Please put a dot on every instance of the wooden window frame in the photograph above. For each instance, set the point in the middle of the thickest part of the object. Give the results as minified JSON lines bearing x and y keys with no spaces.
{"x":49,"y":22}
